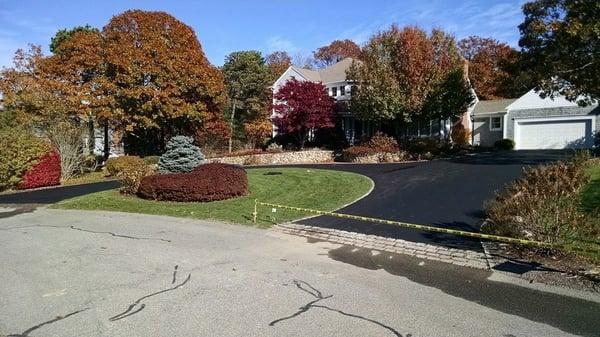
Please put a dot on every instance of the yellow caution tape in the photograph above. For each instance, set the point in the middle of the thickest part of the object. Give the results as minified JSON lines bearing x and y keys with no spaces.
{"x":428,"y":228}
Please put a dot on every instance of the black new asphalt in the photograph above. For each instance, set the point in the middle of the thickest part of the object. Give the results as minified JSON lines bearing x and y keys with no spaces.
{"x":55,"y":194}
{"x":445,"y":193}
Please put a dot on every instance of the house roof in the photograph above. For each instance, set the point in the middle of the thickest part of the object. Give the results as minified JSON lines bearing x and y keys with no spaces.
{"x":309,"y":74}
{"x":333,"y":73}
{"x":492,"y":106}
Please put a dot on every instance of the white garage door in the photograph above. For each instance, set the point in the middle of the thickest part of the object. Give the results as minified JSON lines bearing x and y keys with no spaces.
{"x":564,"y":133}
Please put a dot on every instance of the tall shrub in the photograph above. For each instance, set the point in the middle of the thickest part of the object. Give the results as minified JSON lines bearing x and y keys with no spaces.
{"x":181,"y":156}
{"x":67,"y":138}
{"x":19,"y":151}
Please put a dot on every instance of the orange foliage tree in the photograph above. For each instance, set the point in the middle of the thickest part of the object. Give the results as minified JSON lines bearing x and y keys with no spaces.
{"x":160,"y":76}
{"x":407,"y":74}
{"x":336,"y":51}
{"x":489,"y":64}
{"x":278,"y":62}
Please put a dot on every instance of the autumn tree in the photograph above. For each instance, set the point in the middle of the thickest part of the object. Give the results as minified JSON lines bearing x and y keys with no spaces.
{"x":161,"y":80}
{"x":277,"y":63}
{"x":27,"y":90}
{"x":491,"y":66}
{"x":48,"y":98}
{"x":409,"y":75}
{"x":78,"y":69}
{"x":64,"y":34}
{"x":560,"y":40}
{"x":335,"y":52}
{"x":302,"y":106}
{"x":247,"y":79}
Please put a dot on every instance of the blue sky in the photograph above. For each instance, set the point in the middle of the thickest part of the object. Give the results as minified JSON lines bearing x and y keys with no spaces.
{"x":299,"y":26}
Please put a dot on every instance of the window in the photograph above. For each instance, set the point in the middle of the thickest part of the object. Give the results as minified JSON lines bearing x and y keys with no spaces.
{"x":343,"y":90}
{"x":334,"y":91}
{"x":495,"y":123}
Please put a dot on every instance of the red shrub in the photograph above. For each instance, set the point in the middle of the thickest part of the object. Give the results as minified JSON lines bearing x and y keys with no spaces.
{"x":209,"y":182}
{"x":45,"y":173}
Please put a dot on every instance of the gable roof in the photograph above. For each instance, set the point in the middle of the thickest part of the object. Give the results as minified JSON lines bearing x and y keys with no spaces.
{"x":308,"y":74}
{"x":492,"y":106}
{"x":334,"y":73}
{"x":532,"y":100}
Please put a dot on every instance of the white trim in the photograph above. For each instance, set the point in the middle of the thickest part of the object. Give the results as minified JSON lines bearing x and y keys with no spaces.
{"x":492,"y":128}
{"x":504,"y":128}
{"x":557,"y":118}
{"x":517,"y":131}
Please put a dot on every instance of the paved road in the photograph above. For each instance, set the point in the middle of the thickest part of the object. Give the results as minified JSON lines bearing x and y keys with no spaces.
{"x":75,"y":273}
{"x":445,"y":193}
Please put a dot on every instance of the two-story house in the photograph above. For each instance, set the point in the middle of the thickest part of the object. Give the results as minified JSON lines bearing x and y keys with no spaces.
{"x":334,"y":79}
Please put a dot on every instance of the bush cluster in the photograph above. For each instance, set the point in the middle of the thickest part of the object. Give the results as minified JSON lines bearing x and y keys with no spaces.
{"x":151,"y":160}
{"x":382,"y":147}
{"x":19,"y":151}
{"x":116,"y":165}
{"x":504,"y":144}
{"x":46,"y":172}
{"x":129,"y":170}
{"x":209,"y":182}
{"x":426,"y":146}
{"x":544,"y":205}
{"x":180,"y":156}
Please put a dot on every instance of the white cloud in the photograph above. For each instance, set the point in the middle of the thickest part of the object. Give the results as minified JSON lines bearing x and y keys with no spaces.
{"x":278,"y":43}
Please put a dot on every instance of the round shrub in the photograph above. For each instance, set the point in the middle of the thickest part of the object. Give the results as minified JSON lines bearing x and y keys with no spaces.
{"x":505,"y":144}
{"x":151,"y":160}
{"x":45,"y":173}
{"x":209,"y":182}
{"x":116,"y":165}
{"x":181,"y":156}
{"x":19,"y":151}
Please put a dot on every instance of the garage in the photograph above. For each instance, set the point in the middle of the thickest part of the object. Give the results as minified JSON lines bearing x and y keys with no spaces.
{"x":554,"y":133}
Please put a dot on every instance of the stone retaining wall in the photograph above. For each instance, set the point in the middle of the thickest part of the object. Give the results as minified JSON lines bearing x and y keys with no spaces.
{"x":297,"y":157}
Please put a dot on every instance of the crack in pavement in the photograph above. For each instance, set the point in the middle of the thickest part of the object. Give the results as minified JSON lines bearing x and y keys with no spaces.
{"x":89,"y":231}
{"x":128,"y":312}
{"x":35,"y":327}
{"x":318,"y":295}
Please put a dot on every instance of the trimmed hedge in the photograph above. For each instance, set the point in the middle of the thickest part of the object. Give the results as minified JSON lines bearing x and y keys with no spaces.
{"x":209,"y":182}
{"x":46,"y":172}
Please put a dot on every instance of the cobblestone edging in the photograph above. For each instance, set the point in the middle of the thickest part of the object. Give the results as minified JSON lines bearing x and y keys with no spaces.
{"x":465,"y":258}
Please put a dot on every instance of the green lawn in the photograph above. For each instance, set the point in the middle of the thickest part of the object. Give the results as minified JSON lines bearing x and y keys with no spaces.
{"x":316,"y":189}
{"x":591,"y":193}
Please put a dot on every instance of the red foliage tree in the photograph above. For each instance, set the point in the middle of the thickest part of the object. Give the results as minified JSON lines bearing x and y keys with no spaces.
{"x":301,"y":107}
{"x":45,"y":173}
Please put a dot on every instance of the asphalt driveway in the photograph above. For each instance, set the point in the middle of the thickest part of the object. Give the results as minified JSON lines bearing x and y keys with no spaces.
{"x":445,"y":193}
{"x":55,"y":194}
